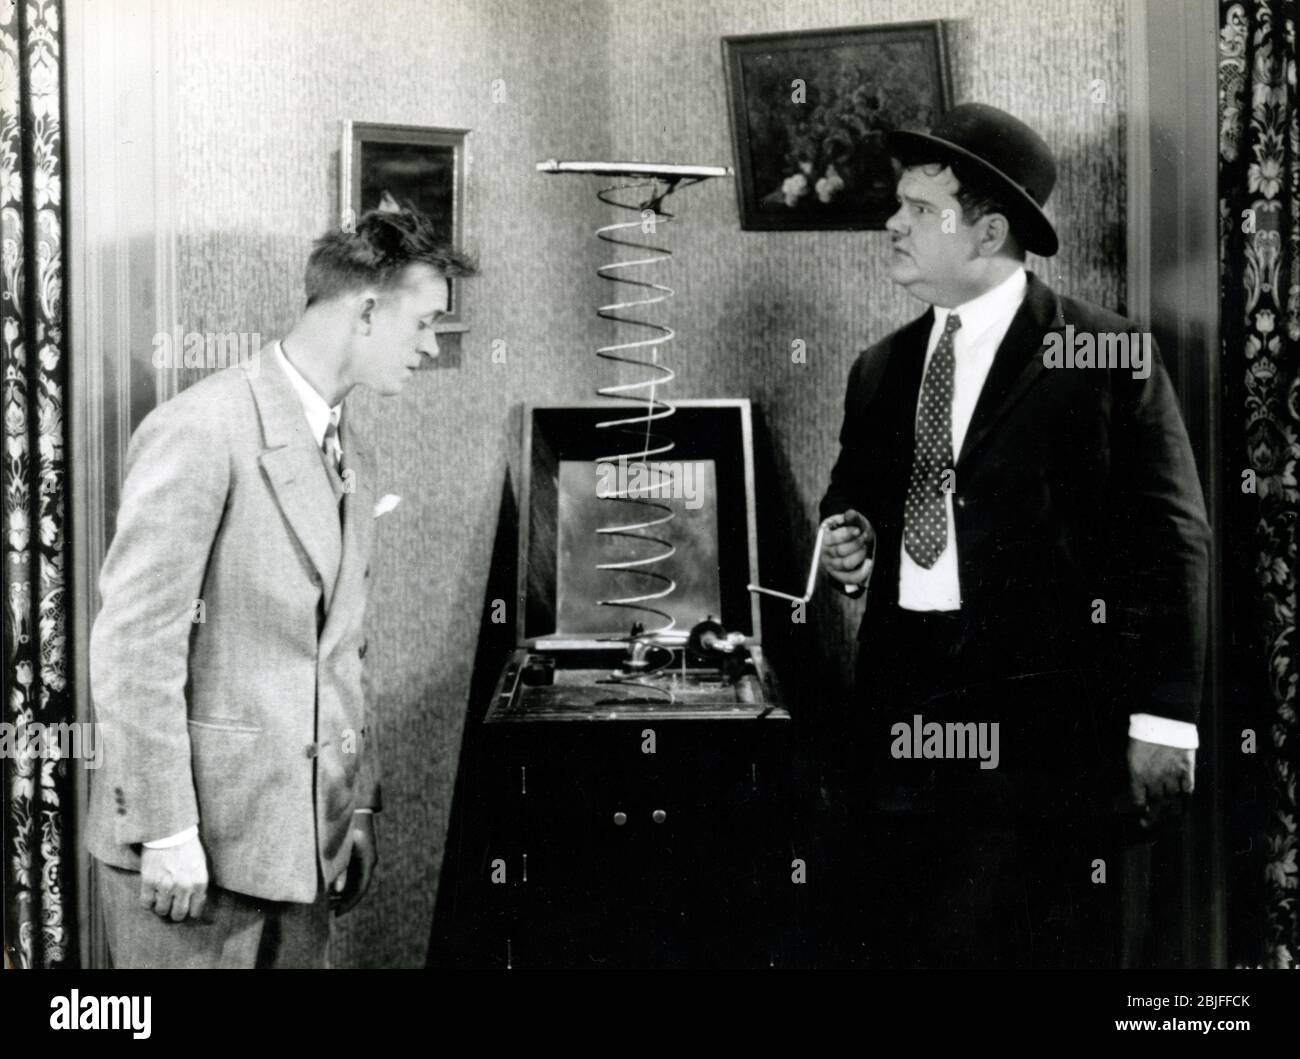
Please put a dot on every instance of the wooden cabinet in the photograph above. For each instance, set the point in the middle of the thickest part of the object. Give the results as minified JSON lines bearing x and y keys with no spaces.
{"x":624,"y":798}
{"x":586,"y":851}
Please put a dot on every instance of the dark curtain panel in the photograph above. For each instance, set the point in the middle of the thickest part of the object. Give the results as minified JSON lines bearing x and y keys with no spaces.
{"x":39,"y":913}
{"x":1259,"y":177}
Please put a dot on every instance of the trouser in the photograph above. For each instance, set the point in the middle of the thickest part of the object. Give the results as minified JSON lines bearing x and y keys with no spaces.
{"x":948,"y":864}
{"x":235,"y":930}
{"x":952,"y":891}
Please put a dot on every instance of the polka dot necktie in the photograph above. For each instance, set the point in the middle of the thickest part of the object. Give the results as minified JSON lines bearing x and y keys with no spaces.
{"x":925,"y":513}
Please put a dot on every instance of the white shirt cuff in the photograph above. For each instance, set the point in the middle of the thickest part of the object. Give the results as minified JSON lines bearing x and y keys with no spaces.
{"x":1163,"y":730}
{"x":174,"y":840}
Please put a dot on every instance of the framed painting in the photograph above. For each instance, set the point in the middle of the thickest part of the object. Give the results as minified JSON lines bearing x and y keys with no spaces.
{"x":424,"y":167}
{"x":807,"y":111}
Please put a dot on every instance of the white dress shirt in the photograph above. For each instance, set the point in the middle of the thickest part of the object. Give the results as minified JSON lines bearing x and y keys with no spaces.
{"x":984,"y":324}
{"x":314,"y":406}
{"x":318,"y":412}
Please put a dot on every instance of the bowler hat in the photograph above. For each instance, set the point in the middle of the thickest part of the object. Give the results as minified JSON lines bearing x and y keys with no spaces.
{"x":1007,"y":152}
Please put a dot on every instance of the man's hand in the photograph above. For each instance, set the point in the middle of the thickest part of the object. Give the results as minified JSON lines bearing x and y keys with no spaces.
{"x":848,"y":542}
{"x":174,"y":881}
{"x":1158,"y":778}
{"x":352,"y":885}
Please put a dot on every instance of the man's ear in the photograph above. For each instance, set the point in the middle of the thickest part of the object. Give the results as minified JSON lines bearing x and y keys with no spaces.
{"x":366,"y":305}
{"x":996,"y":235}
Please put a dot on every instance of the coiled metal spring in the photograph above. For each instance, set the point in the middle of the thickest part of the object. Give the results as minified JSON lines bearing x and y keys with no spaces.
{"x":645,"y":514}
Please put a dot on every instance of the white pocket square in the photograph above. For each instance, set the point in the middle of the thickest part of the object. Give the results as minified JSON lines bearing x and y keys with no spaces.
{"x":386,"y":503}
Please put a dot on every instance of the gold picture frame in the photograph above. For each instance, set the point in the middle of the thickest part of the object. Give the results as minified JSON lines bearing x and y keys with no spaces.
{"x":424,"y":166}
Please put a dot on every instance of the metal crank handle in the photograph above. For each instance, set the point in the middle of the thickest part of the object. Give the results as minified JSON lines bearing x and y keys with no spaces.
{"x":852,"y":590}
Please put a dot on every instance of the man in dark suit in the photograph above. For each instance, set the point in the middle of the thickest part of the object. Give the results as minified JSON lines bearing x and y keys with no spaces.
{"x":1032,"y":538}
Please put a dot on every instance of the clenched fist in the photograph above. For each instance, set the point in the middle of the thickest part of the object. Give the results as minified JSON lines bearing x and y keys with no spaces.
{"x":1158,"y":778}
{"x":847,"y":548}
{"x":174,"y":880}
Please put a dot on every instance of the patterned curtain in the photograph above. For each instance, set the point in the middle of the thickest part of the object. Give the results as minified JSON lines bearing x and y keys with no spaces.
{"x":1259,"y":179}
{"x":39,"y":860}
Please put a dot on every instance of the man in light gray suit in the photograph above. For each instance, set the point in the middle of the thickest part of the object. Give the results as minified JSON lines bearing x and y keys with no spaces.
{"x":235,"y":803}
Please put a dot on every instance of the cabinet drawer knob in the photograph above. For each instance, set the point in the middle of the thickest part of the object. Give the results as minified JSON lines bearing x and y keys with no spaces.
{"x":620,"y":818}
{"x":658,"y":816}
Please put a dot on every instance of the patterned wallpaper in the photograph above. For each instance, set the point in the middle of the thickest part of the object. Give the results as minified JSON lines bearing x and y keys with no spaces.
{"x":746,"y":296}
{"x":257,"y":96}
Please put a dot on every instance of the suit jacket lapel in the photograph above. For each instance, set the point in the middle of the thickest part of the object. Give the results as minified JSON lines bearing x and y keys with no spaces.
{"x":1017,"y":364}
{"x":297,"y":473}
{"x":907,"y":366}
{"x":893,"y":424}
{"x":358,"y":518}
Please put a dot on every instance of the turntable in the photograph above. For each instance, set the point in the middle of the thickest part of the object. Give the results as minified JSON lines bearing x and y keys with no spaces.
{"x":588,"y":650}
{"x":629,"y":799}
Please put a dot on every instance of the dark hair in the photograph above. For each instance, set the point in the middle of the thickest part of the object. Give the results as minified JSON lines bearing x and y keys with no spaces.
{"x":977,"y":195}
{"x":377,"y":252}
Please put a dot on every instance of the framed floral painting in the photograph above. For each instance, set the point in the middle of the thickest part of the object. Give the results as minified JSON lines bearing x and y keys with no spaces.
{"x":807,"y":110}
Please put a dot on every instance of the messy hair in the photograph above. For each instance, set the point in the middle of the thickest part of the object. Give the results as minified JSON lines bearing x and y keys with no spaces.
{"x":376,"y":253}
{"x":977,"y":196}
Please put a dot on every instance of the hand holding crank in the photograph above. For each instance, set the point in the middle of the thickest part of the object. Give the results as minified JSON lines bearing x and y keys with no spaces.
{"x":848,"y":550}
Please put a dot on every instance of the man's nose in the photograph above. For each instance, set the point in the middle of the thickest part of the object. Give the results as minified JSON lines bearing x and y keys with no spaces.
{"x":429,"y":345}
{"x":897,"y":223}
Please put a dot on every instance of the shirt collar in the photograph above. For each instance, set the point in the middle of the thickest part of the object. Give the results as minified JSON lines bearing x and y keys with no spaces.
{"x":998,"y":304}
{"x":315,"y":406}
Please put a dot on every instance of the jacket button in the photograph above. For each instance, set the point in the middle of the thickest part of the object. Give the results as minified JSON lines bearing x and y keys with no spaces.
{"x":961,"y":501}
{"x":311,"y":749}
